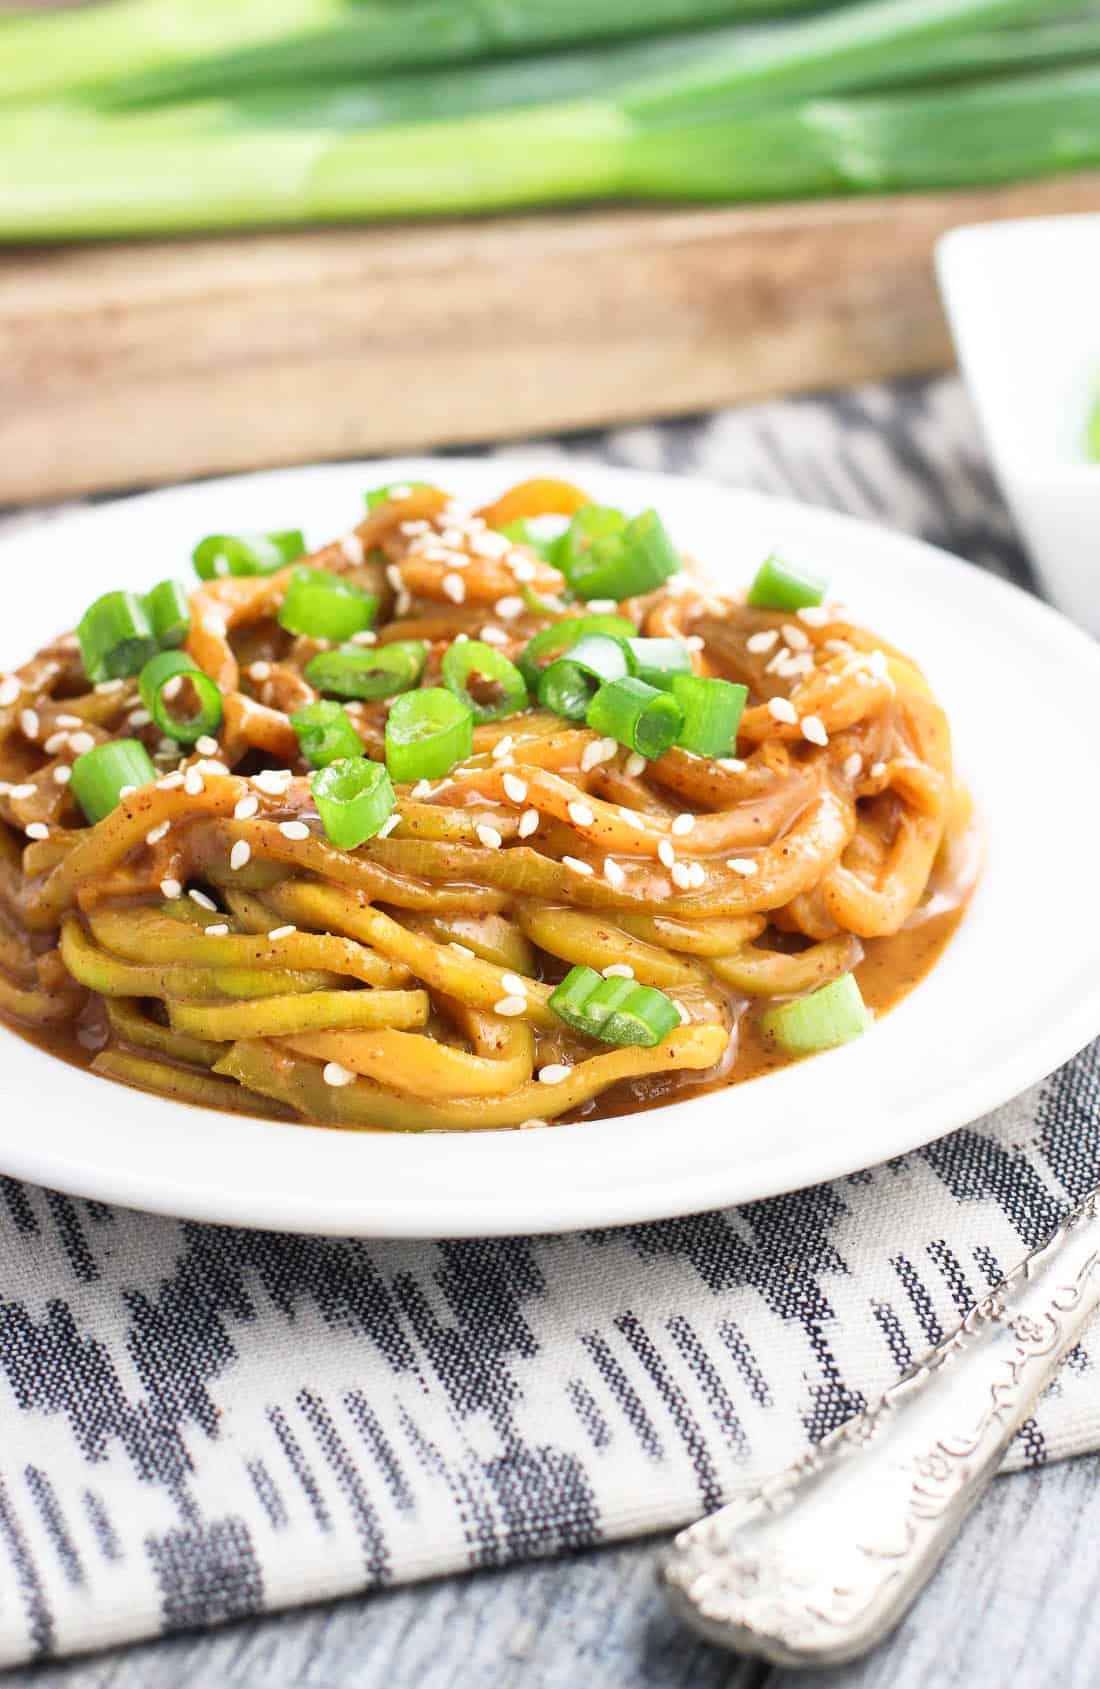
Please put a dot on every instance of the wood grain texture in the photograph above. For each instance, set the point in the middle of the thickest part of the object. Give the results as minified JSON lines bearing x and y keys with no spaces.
{"x":130,"y":364}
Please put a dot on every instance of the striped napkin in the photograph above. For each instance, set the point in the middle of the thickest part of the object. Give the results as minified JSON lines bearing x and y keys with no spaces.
{"x":198,"y":1423}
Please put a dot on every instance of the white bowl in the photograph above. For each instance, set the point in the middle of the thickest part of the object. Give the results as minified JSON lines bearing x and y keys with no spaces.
{"x":1022,"y":301}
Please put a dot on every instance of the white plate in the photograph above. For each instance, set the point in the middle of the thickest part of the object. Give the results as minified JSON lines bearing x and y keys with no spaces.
{"x":1017,"y":992}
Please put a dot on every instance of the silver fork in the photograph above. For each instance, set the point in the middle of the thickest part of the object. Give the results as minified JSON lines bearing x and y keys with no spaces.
{"x":817,"y":1564}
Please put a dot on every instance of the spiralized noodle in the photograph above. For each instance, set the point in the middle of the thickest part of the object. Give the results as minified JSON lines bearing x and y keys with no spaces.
{"x":405,"y":984}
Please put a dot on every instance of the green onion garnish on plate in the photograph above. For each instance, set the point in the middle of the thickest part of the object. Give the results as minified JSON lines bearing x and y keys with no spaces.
{"x":657,"y":660}
{"x":554,"y":641}
{"x":169,"y":613}
{"x":368,"y":671}
{"x":325,"y":733}
{"x":166,"y":675}
{"x":321,"y":605}
{"x":101,"y":774}
{"x":500,"y":687}
{"x":602,"y":555}
{"x":427,"y":733}
{"x":640,"y":717}
{"x":247,"y":554}
{"x":779,"y":587}
{"x":615,"y":1010}
{"x":569,"y":685}
{"x":116,"y":637}
{"x":712,"y":713}
{"x":354,"y":798}
{"x":835,"y":1014}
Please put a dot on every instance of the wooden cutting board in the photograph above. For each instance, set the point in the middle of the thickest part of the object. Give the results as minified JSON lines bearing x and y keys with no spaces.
{"x":123,"y":365}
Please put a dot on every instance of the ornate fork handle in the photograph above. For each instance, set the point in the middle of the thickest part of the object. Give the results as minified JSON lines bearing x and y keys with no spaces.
{"x":818,"y":1563}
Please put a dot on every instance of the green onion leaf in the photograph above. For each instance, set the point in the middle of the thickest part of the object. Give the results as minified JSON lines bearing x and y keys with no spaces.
{"x":382,"y":495}
{"x":639,"y":716}
{"x":779,"y":587}
{"x":615,"y":1010}
{"x":568,"y":686}
{"x":554,"y":641}
{"x":712,"y":712}
{"x":354,"y":798}
{"x":833,"y":1015}
{"x":375,"y":671}
{"x":427,"y":733}
{"x":157,"y":691}
{"x":657,"y":660}
{"x":501,"y":689}
{"x":247,"y":554}
{"x":321,"y":605}
{"x":539,"y":534}
{"x":169,"y":613}
{"x":116,"y":637}
{"x":99,"y":775}
{"x":603,"y":556}
{"x":326,"y":733}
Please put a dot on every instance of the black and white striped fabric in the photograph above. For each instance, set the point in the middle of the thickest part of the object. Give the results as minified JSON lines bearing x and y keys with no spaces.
{"x":199,"y":1423}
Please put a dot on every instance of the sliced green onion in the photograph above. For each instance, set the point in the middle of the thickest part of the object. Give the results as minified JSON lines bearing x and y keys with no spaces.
{"x":657,"y":660}
{"x":712,"y":712}
{"x":427,"y":733}
{"x":615,"y":1010}
{"x":612,"y":559}
{"x":325,"y":733}
{"x":354,"y":798}
{"x":321,"y":605}
{"x":554,"y":641}
{"x":568,"y":686}
{"x":99,"y":775}
{"x":779,"y":587}
{"x":177,"y":666}
{"x":169,"y":613}
{"x":247,"y":554}
{"x":539,"y":534}
{"x":116,"y":637}
{"x":382,"y":495}
{"x":637,"y":715}
{"x":375,"y":671}
{"x":833,"y":1015}
{"x":473,"y":658}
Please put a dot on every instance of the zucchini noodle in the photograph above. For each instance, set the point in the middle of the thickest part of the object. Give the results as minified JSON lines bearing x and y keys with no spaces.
{"x":206,"y":940}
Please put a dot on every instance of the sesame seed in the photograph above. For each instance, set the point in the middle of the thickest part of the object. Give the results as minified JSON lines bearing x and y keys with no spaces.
{"x":696,"y":875}
{"x":796,"y":639}
{"x":612,"y":872}
{"x":81,"y":742}
{"x":54,"y":743}
{"x":877,"y":663}
{"x":503,"y":748}
{"x":273,"y":781}
{"x":778,"y":664}
{"x":514,"y":985}
{"x":193,"y":783}
{"x":453,"y":538}
{"x":217,"y":930}
{"x":878,"y":769}
{"x":155,"y":834}
{"x":508,"y":608}
{"x":681,"y":875}
{"x":335,"y":1075}
{"x":37,"y":830}
{"x":489,"y":837}
{"x":104,"y":687}
{"x":515,"y":789}
{"x":29,"y":723}
{"x":554,"y":1072}
{"x":601,"y":750}
{"x":454,"y":587}
{"x":523,"y":568}
{"x":67,"y":721}
{"x":294,"y":829}
{"x":685,"y":1018}
{"x":683,"y":824}
{"x":601,"y":606}
{"x":461,"y":949}
{"x":853,"y":766}
{"x":619,"y":970}
{"x":26,"y":790}
{"x":202,"y":900}
{"x":580,"y":814}
{"x":760,"y":642}
{"x":813,"y":729}
{"x":781,"y":709}
{"x":10,"y":689}
{"x":352,"y":548}
{"x":631,"y":819}
{"x":494,"y":636}
{"x":743,"y":865}
{"x":282,"y":932}
{"x":240,"y":854}
{"x":365,"y":636}
{"x":169,"y":782}
{"x":528,"y":823}
{"x":529,"y":1125}
{"x":259,"y":671}
{"x":422,"y":789}
{"x":634,"y":765}
{"x":62,"y":774}
{"x":695,"y":642}
{"x":666,"y":853}
{"x":388,"y":825}
{"x":576,"y":864}
{"x":170,"y":888}
{"x":138,"y":718}
{"x":840,"y":647}
{"x":206,"y":746}
{"x":734,"y":764}
{"x":490,"y":544}
{"x":813,"y":615}
{"x":510,"y":1006}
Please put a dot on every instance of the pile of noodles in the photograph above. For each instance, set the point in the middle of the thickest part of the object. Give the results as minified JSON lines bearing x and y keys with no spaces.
{"x":378,"y":987}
